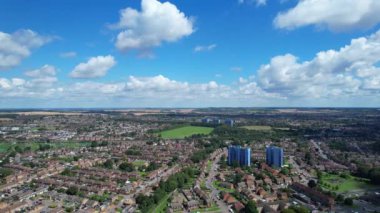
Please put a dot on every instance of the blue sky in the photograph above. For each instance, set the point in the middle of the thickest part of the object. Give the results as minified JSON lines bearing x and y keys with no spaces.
{"x":149,"y":53}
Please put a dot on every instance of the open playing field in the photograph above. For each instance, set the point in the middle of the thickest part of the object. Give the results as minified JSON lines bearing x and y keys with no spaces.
{"x":340,"y":184}
{"x":139,"y":163}
{"x":186,"y":131}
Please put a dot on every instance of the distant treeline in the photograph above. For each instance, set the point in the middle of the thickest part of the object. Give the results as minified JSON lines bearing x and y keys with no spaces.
{"x":11,"y":116}
{"x":205,"y":124}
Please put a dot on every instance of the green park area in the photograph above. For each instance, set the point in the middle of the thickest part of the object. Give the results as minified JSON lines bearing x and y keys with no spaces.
{"x":263,"y":128}
{"x":343,"y":183}
{"x":216,"y":184}
{"x":139,"y":163}
{"x":186,"y":131}
{"x":213,"y":208}
{"x":161,"y":206}
{"x":33,"y":146}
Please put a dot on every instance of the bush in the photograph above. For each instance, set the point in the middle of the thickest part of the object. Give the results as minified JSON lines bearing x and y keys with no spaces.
{"x":349,"y":201}
{"x":127,"y":167}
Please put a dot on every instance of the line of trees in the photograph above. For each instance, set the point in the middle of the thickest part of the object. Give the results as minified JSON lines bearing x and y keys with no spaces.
{"x":373,"y":174}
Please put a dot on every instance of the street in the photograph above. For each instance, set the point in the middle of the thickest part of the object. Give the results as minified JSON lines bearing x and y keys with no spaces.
{"x":214,"y":192}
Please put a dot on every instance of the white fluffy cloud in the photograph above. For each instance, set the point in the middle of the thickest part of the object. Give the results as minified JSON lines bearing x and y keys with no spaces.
{"x":201,"y":48}
{"x":46,"y":70}
{"x":17,"y":46}
{"x":95,"y":67}
{"x":156,"y":83}
{"x":156,"y":23}
{"x":42,"y":77}
{"x":40,"y":83}
{"x":349,"y":71}
{"x":7,"y":85}
{"x":343,"y":77}
{"x":336,"y":15}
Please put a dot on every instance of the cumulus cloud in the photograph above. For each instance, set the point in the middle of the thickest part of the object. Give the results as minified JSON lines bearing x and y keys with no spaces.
{"x":157,"y":83}
{"x":95,"y":67}
{"x":90,"y":88}
{"x":160,"y":87}
{"x":6,"y":84}
{"x":336,"y":15}
{"x":201,"y":48}
{"x":156,"y":23}
{"x":17,"y":46}
{"x":39,"y":83}
{"x":350,"y":71}
{"x":41,"y":77}
{"x":46,"y":70}
{"x":333,"y":77}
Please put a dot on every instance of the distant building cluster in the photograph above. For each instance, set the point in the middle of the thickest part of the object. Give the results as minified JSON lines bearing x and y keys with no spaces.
{"x":275,"y":156}
{"x":229,"y":122}
{"x":240,"y":155}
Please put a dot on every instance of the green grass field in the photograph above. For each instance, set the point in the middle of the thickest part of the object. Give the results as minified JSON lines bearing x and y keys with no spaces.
{"x":216,"y":185}
{"x":138,"y":163}
{"x":209,"y":166}
{"x":340,"y":184}
{"x":4,"y":147}
{"x":213,"y":208}
{"x":186,"y":131}
{"x":190,"y":184}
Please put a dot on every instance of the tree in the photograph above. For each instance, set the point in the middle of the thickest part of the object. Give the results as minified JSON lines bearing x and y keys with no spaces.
{"x":127,"y":167}
{"x":319,"y":175}
{"x":199,"y":156}
{"x":44,"y":147}
{"x":28,"y":149}
{"x":67,"y":172}
{"x":340,"y":198}
{"x":18,"y":149}
{"x":285,"y":171}
{"x":363,"y":171}
{"x":312,"y":184}
{"x":4,"y":172}
{"x":94,"y":144}
{"x":238,"y":178}
{"x":235,"y":164}
{"x":72,"y":190}
{"x":308,"y":158}
{"x":250,"y":207}
{"x":298,"y":209}
{"x":108,"y":164}
{"x":223,"y":158}
{"x":349,"y":201}
{"x":152,"y":166}
{"x":374,"y":175}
